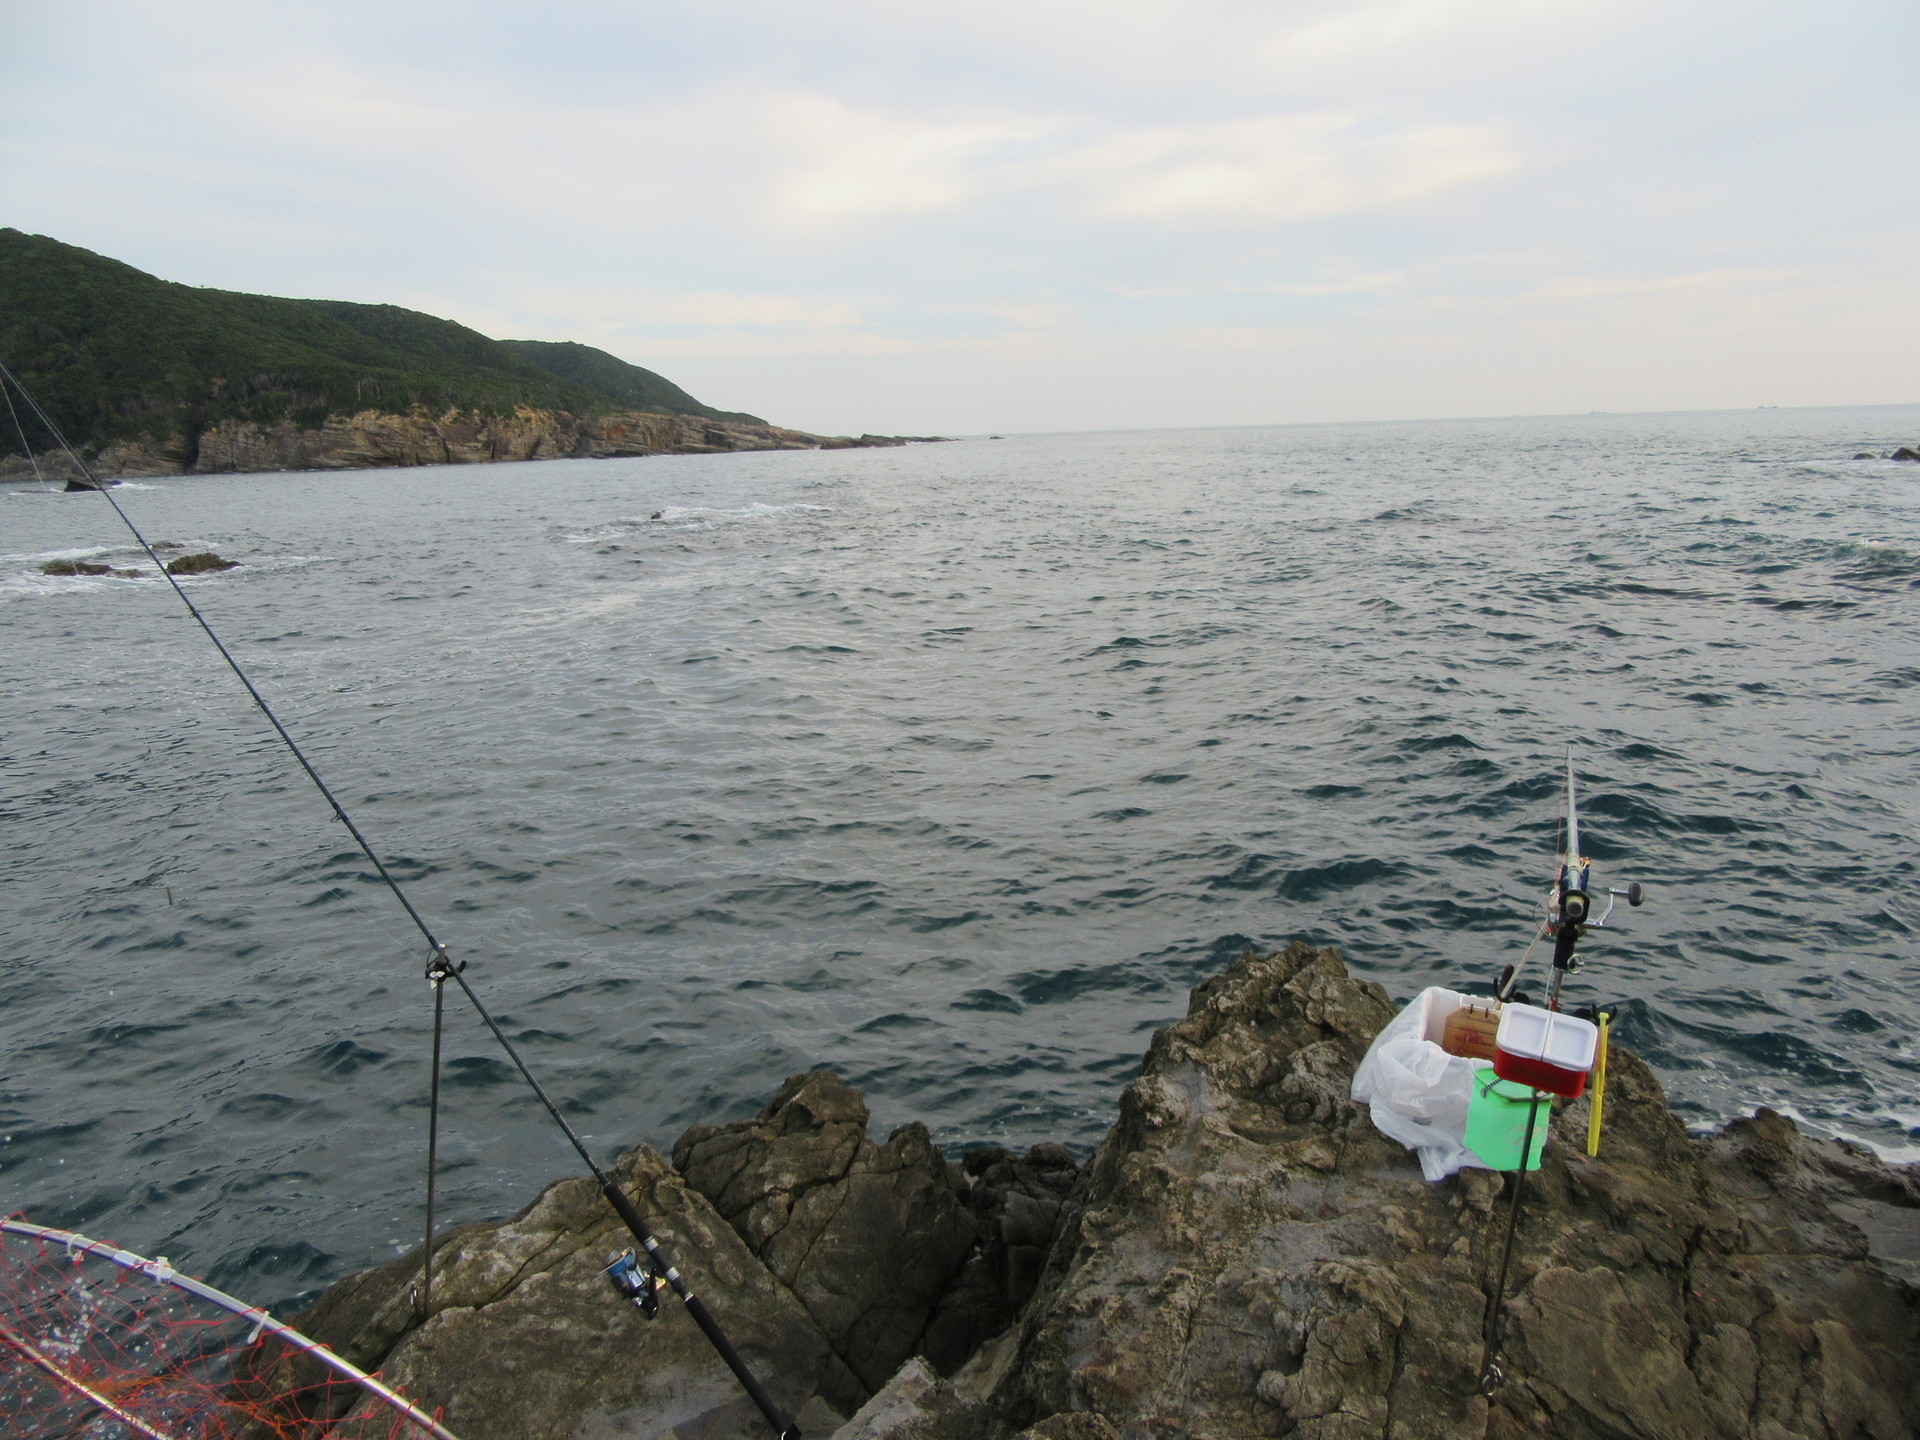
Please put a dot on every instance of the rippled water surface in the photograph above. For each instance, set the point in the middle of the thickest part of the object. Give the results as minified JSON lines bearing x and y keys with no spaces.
{"x":951,"y":767}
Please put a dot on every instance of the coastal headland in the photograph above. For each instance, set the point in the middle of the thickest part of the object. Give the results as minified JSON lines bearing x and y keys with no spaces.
{"x":145,"y":376}
{"x":1243,"y":1255}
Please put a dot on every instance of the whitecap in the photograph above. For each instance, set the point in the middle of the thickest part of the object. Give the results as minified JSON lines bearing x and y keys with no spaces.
{"x":707,"y":514}
{"x":41,"y":557}
{"x":687,"y":517}
{"x":36,"y":586}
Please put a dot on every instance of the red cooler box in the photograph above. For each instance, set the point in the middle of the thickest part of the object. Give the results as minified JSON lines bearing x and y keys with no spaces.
{"x":1545,"y":1049}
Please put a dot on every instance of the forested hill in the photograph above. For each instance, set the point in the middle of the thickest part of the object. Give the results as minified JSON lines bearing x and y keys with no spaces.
{"x":113,"y":353}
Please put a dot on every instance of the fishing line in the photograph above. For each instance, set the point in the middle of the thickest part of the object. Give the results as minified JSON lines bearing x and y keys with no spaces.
{"x":259,"y":700}
{"x":21,"y":431}
{"x":442,"y":968}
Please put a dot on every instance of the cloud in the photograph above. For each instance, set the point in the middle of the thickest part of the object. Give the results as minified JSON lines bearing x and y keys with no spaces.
{"x":1284,"y":167}
{"x":1363,"y":31}
{"x":810,"y":161}
{"x":844,"y":163}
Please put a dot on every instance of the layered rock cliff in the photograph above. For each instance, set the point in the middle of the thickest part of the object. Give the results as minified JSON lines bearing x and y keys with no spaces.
{"x":371,"y":439}
{"x":1243,"y":1256}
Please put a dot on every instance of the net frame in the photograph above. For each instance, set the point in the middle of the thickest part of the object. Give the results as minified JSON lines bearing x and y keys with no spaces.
{"x":253,"y":1398}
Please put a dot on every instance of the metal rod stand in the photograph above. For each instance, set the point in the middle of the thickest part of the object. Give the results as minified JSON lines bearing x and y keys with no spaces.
{"x":1496,"y":1302}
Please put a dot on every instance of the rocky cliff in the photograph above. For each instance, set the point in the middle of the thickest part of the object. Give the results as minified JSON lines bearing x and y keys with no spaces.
{"x":371,"y":439}
{"x":1243,"y":1256}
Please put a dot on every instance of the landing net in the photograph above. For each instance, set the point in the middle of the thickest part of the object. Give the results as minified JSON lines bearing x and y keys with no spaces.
{"x":97,"y":1343}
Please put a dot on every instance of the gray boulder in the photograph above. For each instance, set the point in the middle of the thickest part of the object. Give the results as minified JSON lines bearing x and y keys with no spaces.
{"x":865,"y":1236}
{"x":1905,"y":452}
{"x":526,"y":1341}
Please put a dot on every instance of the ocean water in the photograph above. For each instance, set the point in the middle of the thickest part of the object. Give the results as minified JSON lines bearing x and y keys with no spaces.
{"x":950,"y":767}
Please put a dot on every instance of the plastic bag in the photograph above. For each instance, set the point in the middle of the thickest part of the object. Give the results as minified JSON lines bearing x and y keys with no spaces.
{"x":1417,"y":1093}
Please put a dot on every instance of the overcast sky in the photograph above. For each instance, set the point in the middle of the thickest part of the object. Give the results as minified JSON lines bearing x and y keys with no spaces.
{"x":1018,"y":215}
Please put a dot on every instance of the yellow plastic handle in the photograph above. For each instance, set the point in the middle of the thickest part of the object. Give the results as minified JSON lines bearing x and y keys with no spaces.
{"x":1599,"y":1090}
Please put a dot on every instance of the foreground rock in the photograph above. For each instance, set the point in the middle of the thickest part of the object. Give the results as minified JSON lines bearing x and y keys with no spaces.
{"x":525,"y":1340}
{"x":811,"y":1195}
{"x":1245,"y":1255}
{"x":828,"y":1259}
{"x":1252,"y":1257}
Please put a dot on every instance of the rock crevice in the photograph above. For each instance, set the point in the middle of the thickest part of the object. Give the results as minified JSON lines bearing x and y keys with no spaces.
{"x":808,"y":1193}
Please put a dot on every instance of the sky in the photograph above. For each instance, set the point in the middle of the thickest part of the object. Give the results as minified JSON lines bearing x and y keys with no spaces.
{"x":1021,"y":215}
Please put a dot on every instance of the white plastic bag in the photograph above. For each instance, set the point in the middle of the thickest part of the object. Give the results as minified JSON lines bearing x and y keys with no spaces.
{"x":1417,"y":1093}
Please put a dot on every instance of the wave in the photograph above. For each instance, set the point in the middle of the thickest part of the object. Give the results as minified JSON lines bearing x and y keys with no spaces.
{"x":84,"y":552}
{"x":689,"y":517}
{"x":678,"y":514}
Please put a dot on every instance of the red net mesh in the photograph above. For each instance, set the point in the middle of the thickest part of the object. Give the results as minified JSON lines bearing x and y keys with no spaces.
{"x":90,"y":1350}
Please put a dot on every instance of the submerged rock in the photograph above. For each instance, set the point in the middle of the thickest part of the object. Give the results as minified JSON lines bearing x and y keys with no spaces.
{"x":1244,"y":1256}
{"x":204,"y":563}
{"x":85,"y":567}
{"x":1905,"y":452}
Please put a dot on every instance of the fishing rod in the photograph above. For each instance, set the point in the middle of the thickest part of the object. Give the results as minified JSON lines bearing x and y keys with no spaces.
{"x":440,"y":969}
{"x":1568,"y":919}
{"x":1569,"y":905}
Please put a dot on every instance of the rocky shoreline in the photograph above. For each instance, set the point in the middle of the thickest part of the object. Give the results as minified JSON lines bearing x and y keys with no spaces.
{"x":1244,"y":1255}
{"x":373,"y":440}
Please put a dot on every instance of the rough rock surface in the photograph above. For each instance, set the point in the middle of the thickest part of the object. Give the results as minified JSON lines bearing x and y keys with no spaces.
{"x":866,"y":1236}
{"x":1244,"y":1256}
{"x":1253,"y":1258}
{"x":526,"y":1341}
{"x":372,"y":439}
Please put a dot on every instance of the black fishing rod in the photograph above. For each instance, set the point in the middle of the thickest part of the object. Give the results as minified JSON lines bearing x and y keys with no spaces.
{"x":440,"y":969}
{"x":1569,"y":912}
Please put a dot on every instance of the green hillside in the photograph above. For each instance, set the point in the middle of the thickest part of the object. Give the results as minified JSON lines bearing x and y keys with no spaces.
{"x":608,"y":375}
{"x":114,"y":353}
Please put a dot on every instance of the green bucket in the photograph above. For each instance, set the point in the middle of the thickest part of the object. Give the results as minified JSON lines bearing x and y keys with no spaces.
{"x":1497,"y":1121}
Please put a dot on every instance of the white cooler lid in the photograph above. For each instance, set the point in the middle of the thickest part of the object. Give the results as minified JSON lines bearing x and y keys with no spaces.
{"x":1553,"y":1036}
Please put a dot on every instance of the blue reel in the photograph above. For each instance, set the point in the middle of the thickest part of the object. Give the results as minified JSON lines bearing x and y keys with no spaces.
{"x":635,"y":1283}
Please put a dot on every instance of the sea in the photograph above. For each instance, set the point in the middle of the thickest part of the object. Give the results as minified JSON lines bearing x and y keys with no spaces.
{"x":950,"y":767}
